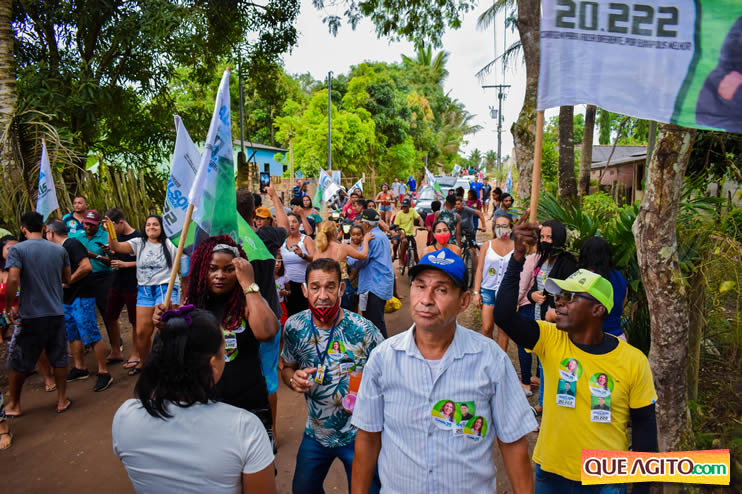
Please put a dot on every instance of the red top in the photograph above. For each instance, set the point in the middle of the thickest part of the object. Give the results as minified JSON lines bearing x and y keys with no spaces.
{"x":2,"y":298}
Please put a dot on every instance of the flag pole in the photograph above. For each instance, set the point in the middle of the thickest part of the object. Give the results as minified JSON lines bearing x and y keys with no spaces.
{"x":536,"y":179}
{"x":178,"y":256}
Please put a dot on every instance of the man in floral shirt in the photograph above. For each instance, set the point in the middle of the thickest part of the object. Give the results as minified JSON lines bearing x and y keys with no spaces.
{"x":323,"y":346}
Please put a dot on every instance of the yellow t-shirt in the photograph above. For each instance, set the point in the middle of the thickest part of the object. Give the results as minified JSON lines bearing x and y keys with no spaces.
{"x":406,"y":221}
{"x":586,"y":399}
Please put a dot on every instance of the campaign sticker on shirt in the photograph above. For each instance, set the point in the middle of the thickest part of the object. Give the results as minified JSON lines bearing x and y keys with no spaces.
{"x":445,"y":414}
{"x":345,"y":367}
{"x":570,"y":371}
{"x":336,"y":348}
{"x":466,"y":409}
{"x":230,"y":346}
{"x":492,"y":271}
{"x":476,"y":428}
{"x":601,"y":388}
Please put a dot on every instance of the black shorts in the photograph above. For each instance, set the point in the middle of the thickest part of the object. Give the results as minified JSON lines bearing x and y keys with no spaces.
{"x":117,"y":299}
{"x":34,"y":336}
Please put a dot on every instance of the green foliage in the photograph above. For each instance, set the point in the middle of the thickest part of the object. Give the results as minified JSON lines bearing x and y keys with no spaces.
{"x":732,"y":224}
{"x":630,"y":131}
{"x":600,"y":205}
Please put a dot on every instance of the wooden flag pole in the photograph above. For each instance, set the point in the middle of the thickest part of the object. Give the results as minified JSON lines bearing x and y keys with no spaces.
{"x":178,"y":256}
{"x":536,"y":179}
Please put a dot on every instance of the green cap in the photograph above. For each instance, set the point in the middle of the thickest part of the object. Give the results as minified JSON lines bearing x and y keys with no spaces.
{"x":584,"y":281}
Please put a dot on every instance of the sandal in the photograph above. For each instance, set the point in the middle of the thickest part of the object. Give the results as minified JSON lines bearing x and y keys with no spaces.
{"x":62,"y":410}
{"x":536,"y":413}
{"x":134,"y":371}
{"x":10,"y":436}
{"x":130,"y":364}
{"x":49,"y":388}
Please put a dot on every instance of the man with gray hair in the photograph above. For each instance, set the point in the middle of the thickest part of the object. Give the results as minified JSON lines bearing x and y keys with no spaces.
{"x":79,"y":308}
{"x":376,"y":275}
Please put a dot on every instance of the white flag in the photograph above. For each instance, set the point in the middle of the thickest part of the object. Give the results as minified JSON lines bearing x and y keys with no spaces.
{"x":182,"y":173}
{"x":356,"y":186}
{"x":328,"y":186}
{"x":456,"y":170}
{"x":46,"y":202}
{"x":213,"y":191}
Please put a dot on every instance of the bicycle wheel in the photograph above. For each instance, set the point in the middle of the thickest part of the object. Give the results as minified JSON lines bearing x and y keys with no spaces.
{"x":410,"y":257}
{"x":468,"y":263}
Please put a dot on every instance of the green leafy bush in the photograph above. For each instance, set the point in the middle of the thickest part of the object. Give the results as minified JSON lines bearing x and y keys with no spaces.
{"x":600,"y":206}
{"x":732,"y":224}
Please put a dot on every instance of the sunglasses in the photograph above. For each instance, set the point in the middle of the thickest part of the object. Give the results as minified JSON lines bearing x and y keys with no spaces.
{"x":570,"y":296}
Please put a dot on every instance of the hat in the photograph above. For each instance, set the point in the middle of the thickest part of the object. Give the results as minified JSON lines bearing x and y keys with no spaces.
{"x":444,"y":260}
{"x":91,"y":216}
{"x":262,"y":212}
{"x":406,"y":202}
{"x":370,"y":215}
{"x":584,"y":281}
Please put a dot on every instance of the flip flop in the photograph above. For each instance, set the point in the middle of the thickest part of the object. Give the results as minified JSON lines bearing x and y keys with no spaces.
{"x":10,"y":435}
{"x":9,"y":416}
{"x":134,"y":371}
{"x":62,"y":410}
{"x":130,"y":364}
{"x":114,"y":360}
{"x":51,"y":388}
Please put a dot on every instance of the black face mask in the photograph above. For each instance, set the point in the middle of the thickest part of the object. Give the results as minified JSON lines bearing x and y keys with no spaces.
{"x":544,"y":248}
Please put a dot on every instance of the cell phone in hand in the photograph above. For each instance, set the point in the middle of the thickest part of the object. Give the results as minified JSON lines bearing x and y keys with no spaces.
{"x":265,"y":181}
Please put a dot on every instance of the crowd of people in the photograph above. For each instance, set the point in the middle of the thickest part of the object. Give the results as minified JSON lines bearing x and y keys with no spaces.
{"x":417,"y":410}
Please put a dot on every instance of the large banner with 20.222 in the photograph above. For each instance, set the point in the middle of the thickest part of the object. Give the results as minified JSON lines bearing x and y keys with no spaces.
{"x":676,"y":61}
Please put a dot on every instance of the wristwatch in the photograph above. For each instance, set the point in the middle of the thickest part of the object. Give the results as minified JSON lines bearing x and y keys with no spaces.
{"x":253,"y":288}
{"x":475,"y":292}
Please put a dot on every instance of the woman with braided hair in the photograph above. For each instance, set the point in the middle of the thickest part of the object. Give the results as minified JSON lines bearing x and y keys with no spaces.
{"x":222,"y":282}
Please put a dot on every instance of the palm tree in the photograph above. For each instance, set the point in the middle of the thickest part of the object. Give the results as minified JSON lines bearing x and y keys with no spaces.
{"x":586,"y":157}
{"x":435,"y":66}
{"x":455,"y":125}
{"x":490,"y":160}
{"x":475,"y":159}
{"x":8,"y":95}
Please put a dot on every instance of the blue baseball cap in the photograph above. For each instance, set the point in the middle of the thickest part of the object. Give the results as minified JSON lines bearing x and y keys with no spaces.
{"x":444,"y":260}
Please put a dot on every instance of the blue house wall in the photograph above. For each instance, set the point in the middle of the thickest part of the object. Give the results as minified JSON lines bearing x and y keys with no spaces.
{"x":264,"y":156}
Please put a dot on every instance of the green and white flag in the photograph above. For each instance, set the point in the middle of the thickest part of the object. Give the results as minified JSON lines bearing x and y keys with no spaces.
{"x":46,"y":202}
{"x":430,"y":178}
{"x":675,"y":62}
{"x":356,"y":186}
{"x":183,"y":168}
{"x":213,"y":192}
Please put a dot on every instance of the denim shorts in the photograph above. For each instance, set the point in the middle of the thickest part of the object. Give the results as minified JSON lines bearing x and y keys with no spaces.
{"x":152,"y":295}
{"x":80,"y":321}
{"x":385,"y":208}
{"x":488,"y":296}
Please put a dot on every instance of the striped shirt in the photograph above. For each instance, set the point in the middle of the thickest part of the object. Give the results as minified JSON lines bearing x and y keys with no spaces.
{"x":438,"y":421}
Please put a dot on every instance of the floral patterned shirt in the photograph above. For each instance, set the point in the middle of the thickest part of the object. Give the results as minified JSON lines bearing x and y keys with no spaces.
{"x":353,"y":339}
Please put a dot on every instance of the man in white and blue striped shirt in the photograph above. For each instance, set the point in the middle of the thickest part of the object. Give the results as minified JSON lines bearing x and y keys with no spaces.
{"x":409,"y":407}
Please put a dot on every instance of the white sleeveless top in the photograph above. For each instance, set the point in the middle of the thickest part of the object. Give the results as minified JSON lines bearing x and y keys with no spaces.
{"x":494,"y":268}
{"x":295,"y":266}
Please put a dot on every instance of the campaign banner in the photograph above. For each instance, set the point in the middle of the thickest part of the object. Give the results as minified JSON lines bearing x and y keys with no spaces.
{"x":183,"y":168}
{"x":688,"y":467}
{"x":676,"y":62}
{"x":46,"y":201}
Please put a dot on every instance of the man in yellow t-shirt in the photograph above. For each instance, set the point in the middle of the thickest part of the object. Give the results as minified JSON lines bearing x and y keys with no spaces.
{"x":594,"y":383}
{"x":406,"y":219}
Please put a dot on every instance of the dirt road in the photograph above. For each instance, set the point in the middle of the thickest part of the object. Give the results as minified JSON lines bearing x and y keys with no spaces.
{"x":72,"y":452}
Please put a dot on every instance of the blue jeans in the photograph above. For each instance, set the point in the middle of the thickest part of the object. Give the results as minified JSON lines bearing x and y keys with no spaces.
{"x":551,"y":483}
{"x":313,"y":462}
{"x":525,"y":358}
{"x":541,"y":388}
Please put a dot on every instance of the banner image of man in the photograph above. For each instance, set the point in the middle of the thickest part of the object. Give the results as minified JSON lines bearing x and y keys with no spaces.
{"x":465,"y":414}
{"x":566,"y":388}
{"x":570,"y":371}
{"x":720,"y":100}
{"x":600,"y":404}
{"x":601,"y":387}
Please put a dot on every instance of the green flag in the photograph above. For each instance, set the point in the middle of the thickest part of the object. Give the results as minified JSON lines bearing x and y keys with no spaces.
{"x":251,"y":243}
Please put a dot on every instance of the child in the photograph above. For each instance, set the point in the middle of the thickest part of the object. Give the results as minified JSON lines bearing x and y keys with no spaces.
{"x":359,"y":299}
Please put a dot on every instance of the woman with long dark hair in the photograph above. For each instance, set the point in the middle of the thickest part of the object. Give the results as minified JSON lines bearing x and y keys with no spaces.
{"x":175,"y":415}
{"x":595,"y":256}
{"x":222,"y":282}
{"x":297,"y":252}
{"x":155,"y":255}
{"x":553,"y":262}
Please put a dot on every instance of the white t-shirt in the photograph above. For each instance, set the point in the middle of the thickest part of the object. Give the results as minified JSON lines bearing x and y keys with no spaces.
{"x":152,"y":267}
{"x":281,"y":283}
{"x":202,"y":448}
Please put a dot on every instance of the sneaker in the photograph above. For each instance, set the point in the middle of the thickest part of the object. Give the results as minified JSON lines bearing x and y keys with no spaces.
{"x":76,"y":374}
{"x":527,"y":390}
{"x":103,"y":382}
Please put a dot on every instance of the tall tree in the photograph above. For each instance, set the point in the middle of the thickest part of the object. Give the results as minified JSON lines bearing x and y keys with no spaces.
{"x":490,"y":159}
{"x":8,"y":97}
{"x":655,"y":231}
{"x":586,"y":157}
{"x":567,"y":181}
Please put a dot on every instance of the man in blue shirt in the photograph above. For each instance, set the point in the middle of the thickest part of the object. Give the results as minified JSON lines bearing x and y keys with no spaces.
{"x":95,"y":240}
{"x":73,"y":220}
{"x":412,"y":184}
{"x":476,"y":186}
{"x":376,"y":275}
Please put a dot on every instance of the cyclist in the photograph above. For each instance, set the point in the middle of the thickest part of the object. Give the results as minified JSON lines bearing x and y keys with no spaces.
{"x":448,"y":214}
{"x":406,"y":219}
{"x":468,"y":230}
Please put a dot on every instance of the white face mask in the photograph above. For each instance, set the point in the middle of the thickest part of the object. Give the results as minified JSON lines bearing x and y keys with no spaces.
{"x":502,"y":231}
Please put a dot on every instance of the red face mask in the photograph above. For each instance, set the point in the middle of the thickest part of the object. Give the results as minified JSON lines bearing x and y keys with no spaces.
{"x":442,"y":238}
{"x":326,"y":314}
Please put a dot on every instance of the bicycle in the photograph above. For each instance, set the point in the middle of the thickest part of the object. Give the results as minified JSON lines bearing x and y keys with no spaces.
{"x":407,"y":259}
{"x":468,"y":242}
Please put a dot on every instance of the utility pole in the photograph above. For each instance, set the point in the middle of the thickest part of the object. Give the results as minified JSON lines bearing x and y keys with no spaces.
{"x":497,"y":114}
{"x":329,"y":121}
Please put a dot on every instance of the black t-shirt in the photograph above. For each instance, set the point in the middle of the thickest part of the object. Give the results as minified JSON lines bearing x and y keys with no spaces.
{"x":80,"y":289}
{"x":242,"y":384}
{"x":125,"y":280}
{"x":273,"y":237}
